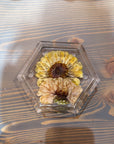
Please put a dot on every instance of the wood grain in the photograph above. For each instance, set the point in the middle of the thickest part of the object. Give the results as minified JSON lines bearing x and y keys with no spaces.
{"x":24,"y":23}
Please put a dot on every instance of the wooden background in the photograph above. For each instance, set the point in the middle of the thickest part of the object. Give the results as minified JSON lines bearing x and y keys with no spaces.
{"x":25,"y":22}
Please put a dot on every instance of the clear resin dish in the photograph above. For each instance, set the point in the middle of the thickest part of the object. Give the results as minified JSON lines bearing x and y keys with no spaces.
{"x":28,"y":81}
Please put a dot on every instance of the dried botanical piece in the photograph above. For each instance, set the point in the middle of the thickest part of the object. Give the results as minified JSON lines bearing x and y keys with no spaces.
{"x":58,"y":90}
{"x":57,"y":64}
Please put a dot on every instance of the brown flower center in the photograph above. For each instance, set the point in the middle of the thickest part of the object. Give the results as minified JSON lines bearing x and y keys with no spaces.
{"x":58,"y":70}
{"x":61,"y":95}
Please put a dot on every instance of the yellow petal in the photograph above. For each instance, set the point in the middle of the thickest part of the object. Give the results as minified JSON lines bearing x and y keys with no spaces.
{"x":76,"y":81}
{"x":62,"y":56}
{"x":40,"y":65}
{"x":50,"y":57}
{"x":39,"y":81}
{"x":70,"y":61}
{"x":46,"y":61}
{"x":75,"y":67}
{"x":56,"y":56}
{"x":39,"y":75}
{"x":39,"y":69}
{"x":78,"y":74}
{"x":73,"y":60}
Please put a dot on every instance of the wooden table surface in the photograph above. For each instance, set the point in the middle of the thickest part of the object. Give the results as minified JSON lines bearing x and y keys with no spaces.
{"x":25,"y":22}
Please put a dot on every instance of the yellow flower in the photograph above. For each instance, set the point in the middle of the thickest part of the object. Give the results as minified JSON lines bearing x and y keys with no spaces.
{"x":58,"y":90}
{"x":57,"y":64}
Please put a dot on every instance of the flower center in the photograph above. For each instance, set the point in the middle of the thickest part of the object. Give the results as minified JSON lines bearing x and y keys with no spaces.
{"x":61,"y":95}
{"x":58,"y":70}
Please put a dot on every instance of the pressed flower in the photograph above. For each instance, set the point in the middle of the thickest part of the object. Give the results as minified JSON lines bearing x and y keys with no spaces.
{"x":57,"y":64}
{"x":59,"y":90}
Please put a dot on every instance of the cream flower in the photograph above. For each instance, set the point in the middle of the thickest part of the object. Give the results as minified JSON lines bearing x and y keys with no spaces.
{"x":58,"y":90}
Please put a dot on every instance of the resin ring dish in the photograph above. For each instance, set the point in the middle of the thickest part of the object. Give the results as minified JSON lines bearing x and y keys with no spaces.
{"x":63,"y":73}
